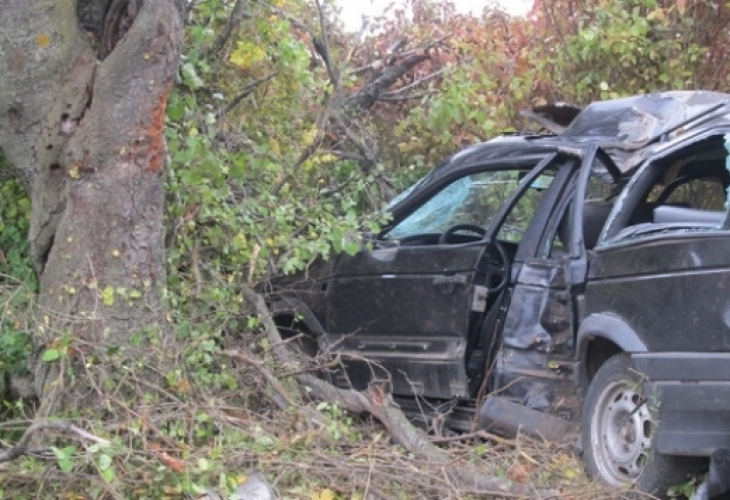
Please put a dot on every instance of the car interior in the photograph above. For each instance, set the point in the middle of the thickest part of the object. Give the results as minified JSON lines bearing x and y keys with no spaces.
{"x":684,"y":191}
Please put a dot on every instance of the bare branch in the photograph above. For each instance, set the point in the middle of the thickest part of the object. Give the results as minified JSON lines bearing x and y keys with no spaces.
{"x":369,"y":93}
{"x":322,"y":47}
{"x":418,"y":82}
{"x":21,"y":447}
{"x":282,"y":398}
{"x":396,"y":98}
{"x":247,"y":90}
{"x":366,"y":153}
{"x":237,"y":15}
{"x":394,"y":55}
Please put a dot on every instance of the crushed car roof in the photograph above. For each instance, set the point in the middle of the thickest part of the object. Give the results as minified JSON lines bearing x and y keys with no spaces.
{"x":627,"y":128}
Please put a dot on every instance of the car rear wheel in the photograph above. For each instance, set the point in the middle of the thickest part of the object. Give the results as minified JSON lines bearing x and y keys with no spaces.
{"x":619,"y":433}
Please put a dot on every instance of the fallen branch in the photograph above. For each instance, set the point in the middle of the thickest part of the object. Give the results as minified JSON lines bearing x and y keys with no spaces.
{"x":282,"y":398}
{"x":21,"y":447}
{"x":480,"y":434}
{"x":380,"y":405}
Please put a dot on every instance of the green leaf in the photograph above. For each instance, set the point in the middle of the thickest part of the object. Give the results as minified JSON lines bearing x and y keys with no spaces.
{"x":64,"y":455}
{"x":190,"y":76}
{"x":108,"y":475}
{"x":105,"y":461}
{"x":107,"y":296}
{"x":51,"y":355}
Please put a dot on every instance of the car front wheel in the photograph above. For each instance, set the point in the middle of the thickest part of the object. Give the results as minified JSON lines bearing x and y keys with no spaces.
{"x":619,"y":433}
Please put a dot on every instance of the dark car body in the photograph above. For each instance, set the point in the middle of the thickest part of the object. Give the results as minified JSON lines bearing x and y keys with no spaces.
{"x":610,"y":238}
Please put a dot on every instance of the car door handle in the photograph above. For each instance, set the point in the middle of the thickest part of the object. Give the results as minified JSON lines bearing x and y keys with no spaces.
{"x":450,"y":279}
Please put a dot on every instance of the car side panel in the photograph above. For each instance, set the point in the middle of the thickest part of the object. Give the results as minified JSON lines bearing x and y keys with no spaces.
{"x":695,"y":400}
{"x":674,"y":290}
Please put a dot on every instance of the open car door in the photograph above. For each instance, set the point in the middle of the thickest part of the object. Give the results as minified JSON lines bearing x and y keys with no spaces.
{"x":405,"y":311}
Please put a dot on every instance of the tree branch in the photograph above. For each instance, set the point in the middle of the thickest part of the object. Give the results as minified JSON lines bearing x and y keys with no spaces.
{"x":296,"y":22}
{"x":380,"y":405}
{"x":282,"y":398}
{"x":369,"y":93}
{"x":414,"y":84}
{"x":409,"y":97}
{"x":237,"y":15}
{"x":322,"y":47}
{"x":247,"y":90}
{"x":21,"y":447}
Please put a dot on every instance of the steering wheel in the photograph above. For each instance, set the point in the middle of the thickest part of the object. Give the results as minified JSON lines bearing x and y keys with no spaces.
{"x":474,"y":228}
{"x":502,"y":269}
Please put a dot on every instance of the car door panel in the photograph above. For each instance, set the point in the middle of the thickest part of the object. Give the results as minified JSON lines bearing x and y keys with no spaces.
{"x":406,"y":310}
{"x":415,"y":291}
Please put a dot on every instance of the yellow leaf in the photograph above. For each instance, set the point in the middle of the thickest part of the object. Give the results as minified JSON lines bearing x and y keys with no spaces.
{"x":572,"y":473}
{"x":246,"y":55}
{"x":309,"y":136}
{"x":657,"y":14}
{"x":325,"y":494}
{"x":43,"y":40}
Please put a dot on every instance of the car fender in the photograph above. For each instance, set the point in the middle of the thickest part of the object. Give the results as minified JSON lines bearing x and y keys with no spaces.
{"x":610,"y":327}
{"x":296,"y":307}
{"x":607,"y":326}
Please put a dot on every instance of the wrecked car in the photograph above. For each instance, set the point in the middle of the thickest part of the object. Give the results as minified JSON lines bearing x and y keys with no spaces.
{"x":573,"y":284}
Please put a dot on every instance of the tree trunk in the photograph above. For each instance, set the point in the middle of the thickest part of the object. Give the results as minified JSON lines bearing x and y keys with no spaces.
{"x":85,"y":137}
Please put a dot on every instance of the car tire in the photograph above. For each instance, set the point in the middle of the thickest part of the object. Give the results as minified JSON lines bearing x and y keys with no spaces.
{"x":619,"y":433}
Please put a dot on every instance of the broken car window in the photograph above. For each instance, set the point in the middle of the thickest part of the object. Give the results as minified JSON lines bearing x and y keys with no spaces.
{"x":686,"y":191}
{"x":475,"y":199}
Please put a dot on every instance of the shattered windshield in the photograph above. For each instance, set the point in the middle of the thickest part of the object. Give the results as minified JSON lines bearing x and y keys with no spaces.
{"x":473,"y":199}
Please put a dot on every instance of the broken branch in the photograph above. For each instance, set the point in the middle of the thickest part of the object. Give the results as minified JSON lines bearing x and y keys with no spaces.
{"x":282,"y":398}
{"x":380,"y":405}
{"x":21,"y":447}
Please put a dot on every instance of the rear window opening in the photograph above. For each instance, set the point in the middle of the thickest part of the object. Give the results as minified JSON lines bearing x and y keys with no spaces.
{"x":687,"y":191}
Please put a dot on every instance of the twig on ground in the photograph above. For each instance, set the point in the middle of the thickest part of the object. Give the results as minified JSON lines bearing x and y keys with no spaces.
{"x":21,"y":447}
{"x":377,"y":402}
{"x":282,"y":398}
{"x":481,"y":434}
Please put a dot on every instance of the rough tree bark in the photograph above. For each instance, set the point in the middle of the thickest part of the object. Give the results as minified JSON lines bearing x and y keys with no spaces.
{"x":83,"y":91}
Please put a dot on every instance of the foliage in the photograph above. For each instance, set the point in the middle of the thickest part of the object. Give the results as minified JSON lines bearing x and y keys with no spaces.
{"x":260,"y":183}
{"x":251,"y":192}
{"x":18,"y":283}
